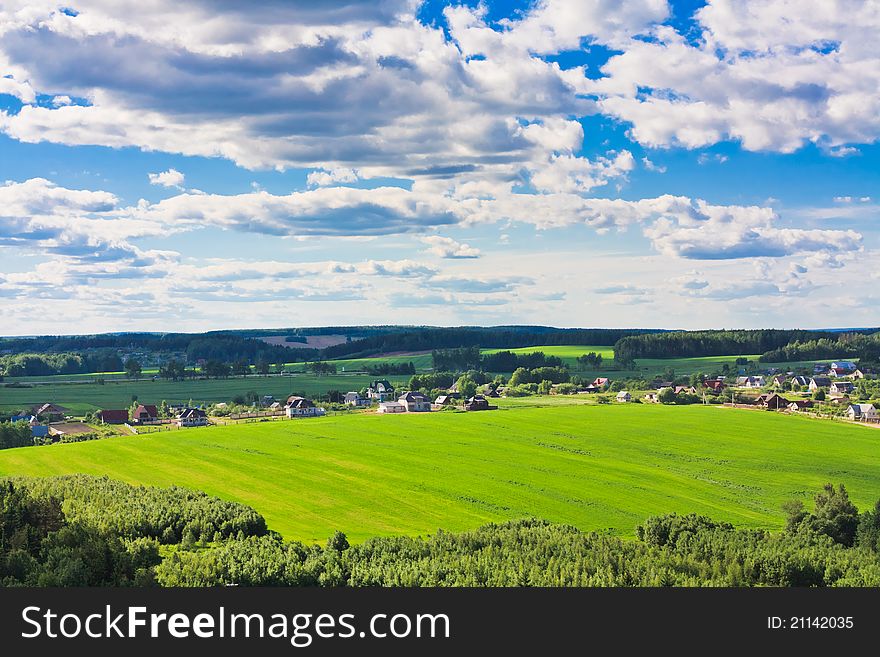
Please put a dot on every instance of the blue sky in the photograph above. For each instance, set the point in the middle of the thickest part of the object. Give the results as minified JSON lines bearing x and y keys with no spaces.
{"x":582,"y":163}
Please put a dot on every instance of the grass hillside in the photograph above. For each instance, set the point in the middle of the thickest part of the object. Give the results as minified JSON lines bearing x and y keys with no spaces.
{"x":595,"y":467}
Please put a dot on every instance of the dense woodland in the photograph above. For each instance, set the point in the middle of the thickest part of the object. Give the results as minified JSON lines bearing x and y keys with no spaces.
{"x":86,"y":531}
{"x":692,"y":344}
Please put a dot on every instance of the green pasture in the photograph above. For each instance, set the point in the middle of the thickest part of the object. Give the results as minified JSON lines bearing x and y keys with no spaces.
{"x":88,"y":396}
{"x":593,"y":466}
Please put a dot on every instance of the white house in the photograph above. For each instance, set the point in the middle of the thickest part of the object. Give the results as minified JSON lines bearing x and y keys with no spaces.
{"x":842,"y":387}
{"x":355,"y":399}
{"x":380,"y":390}
{"x":819,"y":382}
{"x":302,"y":407}
{"x":623,"y":396}
{"x":864,"y":412}
{"x":415,"y":402}
{"x":391,"y":407}
{"x":192,"y":417}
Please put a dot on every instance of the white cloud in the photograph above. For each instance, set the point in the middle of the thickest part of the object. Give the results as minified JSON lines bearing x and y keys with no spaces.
{"x":169,"y":178}
{"x":446,"y":247}
{"x":324,"y":177}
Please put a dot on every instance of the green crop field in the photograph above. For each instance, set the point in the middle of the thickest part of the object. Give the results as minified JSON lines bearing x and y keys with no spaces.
{"x":88,"y":396}
{"x":594,"y":466}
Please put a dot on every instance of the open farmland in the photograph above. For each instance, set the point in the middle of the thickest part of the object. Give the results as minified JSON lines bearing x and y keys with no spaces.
{"x":88,"y":395}
{"x":593,"y":466}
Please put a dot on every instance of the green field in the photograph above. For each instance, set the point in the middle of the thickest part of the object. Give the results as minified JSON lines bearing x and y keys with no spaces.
{"x":594,"y":466}
{"x":88,"y":396}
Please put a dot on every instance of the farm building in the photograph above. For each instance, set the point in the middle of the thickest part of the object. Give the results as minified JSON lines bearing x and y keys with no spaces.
{"x":623,"y":396}
{"x":448,"y":398}
{"x":146,"y":413}
{"x":715,"y":385}
{"x":863,"y":412}
{"x":354,"y":399}
{"x":391,"y":407}
{"x":478,"y":403}
{"x":69,"y":429}
{"x":774,"y":402}
{"x":380,"y":390}
{"x":192,"y":417}
{"x":49,"y":411}
{"x":302,"y":407}
{"x":819,"y":382}
{"x":590,"y":389}
{"x":415,"y":402}
{"x":114,"y":416}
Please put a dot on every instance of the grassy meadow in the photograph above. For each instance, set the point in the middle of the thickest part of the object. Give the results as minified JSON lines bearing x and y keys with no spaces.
{"x":593,"y":466}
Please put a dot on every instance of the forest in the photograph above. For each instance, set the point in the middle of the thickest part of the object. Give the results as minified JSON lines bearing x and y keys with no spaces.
{"x":470,"y":358}
{"x":693,"y":344}
{"x":86,"y":531}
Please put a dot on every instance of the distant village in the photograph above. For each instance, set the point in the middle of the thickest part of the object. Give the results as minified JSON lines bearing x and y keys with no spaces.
{"x":831,"y":386}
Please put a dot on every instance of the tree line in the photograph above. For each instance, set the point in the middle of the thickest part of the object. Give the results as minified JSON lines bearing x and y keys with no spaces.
{"x":88,"y":531}
{"x":691,"y":344}
{"x":469,"y":358}
{"x":865,"y":348}
{"x":427,"y":339}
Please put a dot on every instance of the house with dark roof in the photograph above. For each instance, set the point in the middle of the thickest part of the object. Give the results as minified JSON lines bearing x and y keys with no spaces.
{"x":301,"y":407}
{"x":478,"y":403}
{"x":448,"y":398}
{"x":800,"y":404}
{"x":842,"y":387}
{"x":380,"y":390}
{"x":114,"y":416}
{"x":415,"y":402}
{"x":775,"y":402}
{"x":146,"y":413}
{"x":715,"y":385}
{"x":819,"y":382}
{"x":800,"y":380}
{"x":192,"y":417}
{"x":49,"y":411}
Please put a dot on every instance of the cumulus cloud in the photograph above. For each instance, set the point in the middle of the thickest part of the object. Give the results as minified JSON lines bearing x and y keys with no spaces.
{"x":169,"y":178}
{"x":446,"y":247}
{"x":772,"y":75}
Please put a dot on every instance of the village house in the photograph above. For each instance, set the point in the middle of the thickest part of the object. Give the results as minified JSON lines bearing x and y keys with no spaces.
{"x":478,"y":403}
{"x":715,"y":385}
{"x":355,"y":399}
{"x":819,"y":382}
{"x":145,"y":413}
{"x":774,"y":402}
{"x":623,"y":396}
{"x":862,"y":412}
{"x":842,"y":387}
{"x":391,"y":407}
{"x":800,"y":404}
{"x":380,"y":390}
{"x":862,"y":374}
{"x":601,"y":382}
{"x":192,"y":417}
{"x":415,"y":402}
{"x":448,"y":398}
{"x":843,"y":366}
{"x":301,"y":407}
{"x":589,"y":389}
{"x":800,"y":380}
{"x":652,"y":397}
{"x":49,"y":412}
{"x":778,"y":380}
{"x":685,"y":390}
{"x":106,"y":416}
